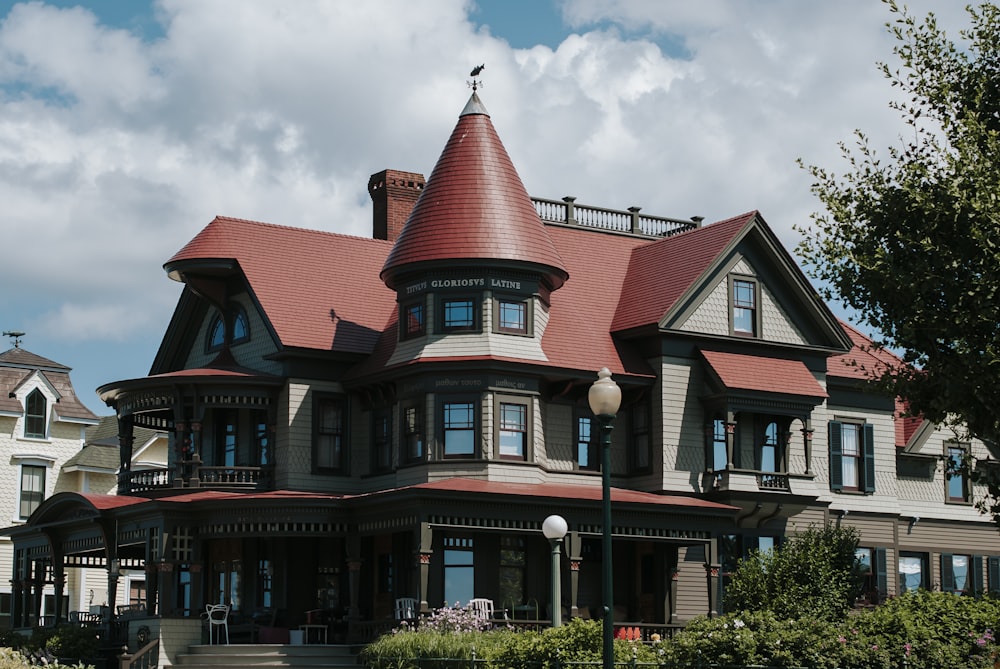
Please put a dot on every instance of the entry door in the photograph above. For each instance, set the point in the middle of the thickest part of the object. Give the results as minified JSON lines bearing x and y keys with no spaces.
{"x":226,"y":585}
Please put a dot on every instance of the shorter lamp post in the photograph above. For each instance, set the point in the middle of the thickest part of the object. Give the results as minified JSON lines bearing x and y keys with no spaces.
{"x":554,"y":528}
{"x":605,"y":397}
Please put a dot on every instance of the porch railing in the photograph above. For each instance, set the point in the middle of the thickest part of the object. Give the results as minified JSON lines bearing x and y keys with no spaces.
{"x":229,"y":477}
{"x":149,"y":479}
{"x":147,"y":657}
{"x":630,"y":220}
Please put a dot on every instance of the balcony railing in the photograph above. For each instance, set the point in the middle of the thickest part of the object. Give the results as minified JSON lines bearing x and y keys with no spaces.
{"x":240,"y":478}
{"x":628,"y":221}
{"x":772,"y":481}
{"x":144,"y":480}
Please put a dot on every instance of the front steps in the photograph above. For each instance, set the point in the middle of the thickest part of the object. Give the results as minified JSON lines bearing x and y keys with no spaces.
{"x":243,"y":656}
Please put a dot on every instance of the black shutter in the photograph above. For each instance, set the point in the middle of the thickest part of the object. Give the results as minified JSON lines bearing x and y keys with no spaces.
{"x":869,"y":458}
{"x":881,"y":574}
{"x":836,"y":450}
{"x":993,"y":574}
{"x":947,"y":573}
{"x":976,"y":575}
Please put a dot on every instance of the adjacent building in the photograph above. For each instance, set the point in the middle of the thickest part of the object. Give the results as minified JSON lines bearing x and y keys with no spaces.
{"x":354,"y":420}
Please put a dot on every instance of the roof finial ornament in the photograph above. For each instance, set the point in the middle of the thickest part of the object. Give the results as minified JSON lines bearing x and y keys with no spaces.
{"x":15,"y":335}
{"x":476,"y":71}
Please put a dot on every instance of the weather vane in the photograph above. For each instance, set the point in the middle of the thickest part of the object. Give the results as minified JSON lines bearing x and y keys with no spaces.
{"x":15,"y":335}
{"x":476,"y":83}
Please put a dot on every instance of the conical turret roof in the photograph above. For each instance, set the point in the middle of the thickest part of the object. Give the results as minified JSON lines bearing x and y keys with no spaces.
{"x":474,"y":208}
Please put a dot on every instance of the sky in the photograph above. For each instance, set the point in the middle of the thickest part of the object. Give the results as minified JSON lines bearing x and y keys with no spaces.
{"x":127,"y":126}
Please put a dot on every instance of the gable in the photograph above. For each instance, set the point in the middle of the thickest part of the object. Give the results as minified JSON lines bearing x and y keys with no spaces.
{"x":711,"y":315}
{"x":251,"y":353}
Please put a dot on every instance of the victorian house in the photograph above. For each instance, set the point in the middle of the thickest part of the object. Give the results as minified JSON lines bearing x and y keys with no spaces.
{"x":356,"y":420}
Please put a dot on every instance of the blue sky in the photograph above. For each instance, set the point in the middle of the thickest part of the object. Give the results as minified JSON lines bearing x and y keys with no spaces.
{"x":126,"y":126}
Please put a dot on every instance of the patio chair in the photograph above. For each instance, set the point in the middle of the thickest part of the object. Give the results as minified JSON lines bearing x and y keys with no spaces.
{"x":406,"y":608}
{"x":218,"y":617}
{"x":481,"y":608}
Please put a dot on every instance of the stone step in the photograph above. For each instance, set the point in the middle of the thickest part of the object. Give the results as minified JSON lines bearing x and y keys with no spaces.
{"x":236,"y":656}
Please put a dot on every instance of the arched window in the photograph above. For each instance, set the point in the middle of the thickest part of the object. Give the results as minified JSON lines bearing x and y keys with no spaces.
{"x":35,"y":415}
{"x":770,"y":456}
{"x":217,"y":329}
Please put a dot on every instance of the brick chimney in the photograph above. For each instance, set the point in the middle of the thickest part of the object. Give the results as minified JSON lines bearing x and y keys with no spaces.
{"x":393,"y":195}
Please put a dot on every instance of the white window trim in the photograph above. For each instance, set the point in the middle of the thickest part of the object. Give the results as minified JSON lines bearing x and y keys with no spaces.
{"x":33,"y":460}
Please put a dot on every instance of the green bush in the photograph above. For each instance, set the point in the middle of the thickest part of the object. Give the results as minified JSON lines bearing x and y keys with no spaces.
{"x":65,"y":641}
{"x":814,"y":574}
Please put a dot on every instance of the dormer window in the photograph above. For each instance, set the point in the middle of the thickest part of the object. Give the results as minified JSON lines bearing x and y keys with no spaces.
{"x":745,"y":314}
{"x":35,"y":415}
{"x":217,"y":330}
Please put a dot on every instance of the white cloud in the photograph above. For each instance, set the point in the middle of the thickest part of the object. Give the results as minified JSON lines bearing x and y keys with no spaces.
{"x":115,"y":151}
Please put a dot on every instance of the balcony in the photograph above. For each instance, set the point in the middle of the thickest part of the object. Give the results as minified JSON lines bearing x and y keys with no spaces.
{"x":748,"y":480}
{"x":193,"y":474}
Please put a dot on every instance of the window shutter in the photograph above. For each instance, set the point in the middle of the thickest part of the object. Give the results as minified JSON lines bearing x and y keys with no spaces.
{"x":993,"y":574}
{"x":947,"y":573}
{"x":881,"y":574}
{"x":976,"y":578}
{"x":836,"y":449}
{"x":869,"y":458}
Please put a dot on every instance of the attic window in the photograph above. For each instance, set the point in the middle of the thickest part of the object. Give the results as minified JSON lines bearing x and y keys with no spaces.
{"x":217,"y":330}
{"x":35,"y":415}
{"x":745,"y":312}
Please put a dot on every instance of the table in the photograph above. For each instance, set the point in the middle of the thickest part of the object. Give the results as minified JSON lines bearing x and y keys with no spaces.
{"x":320,"y":633}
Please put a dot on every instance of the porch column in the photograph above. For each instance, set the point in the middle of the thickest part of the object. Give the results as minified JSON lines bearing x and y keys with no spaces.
{"x":353,"y":583}
{"x":195,"y":481}
{"x":182,"y":453}
{"x":674,"y":573}
{"x":424,"y":563}
{"x":112,"y":587}
{"x":574,"y":543}
{"x":152,"y":587}
{"x":58,"y":580}
{"x":713,"y":570}
{"x":166,"y":588}
{"x":126,"y":439}
{"x":807,"y":443}
{"x":786,"y":444}
{"x":38,"y":588}
{"x":730,"y":438}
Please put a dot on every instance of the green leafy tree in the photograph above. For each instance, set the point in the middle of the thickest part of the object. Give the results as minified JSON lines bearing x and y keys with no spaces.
{"x":813,"y":575}
{"x":910,"y":240}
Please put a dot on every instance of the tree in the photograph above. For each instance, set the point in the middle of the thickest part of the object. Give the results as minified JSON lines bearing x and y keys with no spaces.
{"x":912,"y":243}
{"x":813,"y":575}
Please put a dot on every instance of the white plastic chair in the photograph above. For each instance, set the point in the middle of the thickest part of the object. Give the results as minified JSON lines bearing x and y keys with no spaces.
{"x":406,"y":608}
{"x":481,"y":608}
{"x":218,"y":616}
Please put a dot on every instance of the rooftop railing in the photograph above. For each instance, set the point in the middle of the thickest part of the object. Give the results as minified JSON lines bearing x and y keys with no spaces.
{"x":629,"y":221}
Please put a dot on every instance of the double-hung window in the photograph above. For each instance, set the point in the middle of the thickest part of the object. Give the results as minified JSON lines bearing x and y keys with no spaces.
{"x":32,"y":489}
{"x":329,"y":433}
{"x":586,"y":443}
{"x":852,"y":456}
{"x":513,"y":430}
{"x":381,"y":456}
{"x":413,"y":433}
{"x":871,"y":564}
{"x":957,"y":483}
{"x":962,"y":574}
{"x":719,"y":450}
{"x":912,"y":571}
{"x":458,"y":428}
{"x":744,"y":304}
{"x":640,"y":437}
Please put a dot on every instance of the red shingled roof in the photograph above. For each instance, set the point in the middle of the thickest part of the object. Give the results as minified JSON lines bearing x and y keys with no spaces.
{"x":659,"y":274}
{"x":320,"y":290}
{"x":763,"y":374}
{"x":474,"y":207}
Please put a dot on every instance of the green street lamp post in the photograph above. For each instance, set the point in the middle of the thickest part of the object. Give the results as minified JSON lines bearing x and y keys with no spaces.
{"x":605,"y":397}
{"x":554,"y":528}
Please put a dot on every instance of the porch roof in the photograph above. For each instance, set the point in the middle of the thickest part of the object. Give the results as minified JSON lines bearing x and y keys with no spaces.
{"x":763,"y":374}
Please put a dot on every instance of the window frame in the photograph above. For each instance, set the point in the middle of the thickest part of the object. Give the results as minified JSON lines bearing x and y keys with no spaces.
{"x":21,"y":501}
{"x":591,"y":444}
{"x":381,"y":440}
{"x":528,"y":313}
{"x":526,"y":404}
{"x":735,"y":280}
{"x":924,"y":569}
{"x":413,"y":438}
{"x":973,"y":574}
{"x":475,"y":405}
{"x":718,"y":428}
{"x":876,"y":583}
{"x":639,"y":434}
{"x":476,"y":325}
{"x":237,"y":314}
{"x":866,"y":462}
{"x":951,"y":448}
{"x":32,"y":418}
{"x":405,"y":331}
{"x":319,"y":400}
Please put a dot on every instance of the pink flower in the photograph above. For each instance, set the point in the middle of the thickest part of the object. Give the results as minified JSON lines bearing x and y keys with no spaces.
{"x":907,"y":647}
{"x":841,"y":639}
